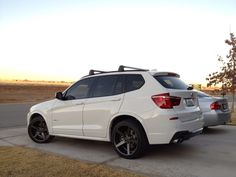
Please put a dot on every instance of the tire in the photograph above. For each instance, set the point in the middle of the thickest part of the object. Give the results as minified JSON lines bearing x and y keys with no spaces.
{"x":205,"y":129}
{"x":129,"y":139}
{"x":38,"y":130}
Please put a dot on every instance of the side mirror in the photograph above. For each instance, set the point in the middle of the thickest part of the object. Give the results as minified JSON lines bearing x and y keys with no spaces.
{"x":59,"y":96}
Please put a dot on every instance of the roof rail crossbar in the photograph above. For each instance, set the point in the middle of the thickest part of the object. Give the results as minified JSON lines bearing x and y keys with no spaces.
{"x":122,"y":68}
{"x":92,"y":72}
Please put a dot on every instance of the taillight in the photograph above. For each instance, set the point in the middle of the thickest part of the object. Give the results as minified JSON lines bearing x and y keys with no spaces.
{"x":165,"y":101}
{"x":215,"y":106}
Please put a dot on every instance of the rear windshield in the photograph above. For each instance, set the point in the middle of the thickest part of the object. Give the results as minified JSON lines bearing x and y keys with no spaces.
{"x":202,"y":95}
{"x":171,"y":82}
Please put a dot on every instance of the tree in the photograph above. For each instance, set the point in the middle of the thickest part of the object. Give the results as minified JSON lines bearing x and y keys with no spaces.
{"x":227,"y":74}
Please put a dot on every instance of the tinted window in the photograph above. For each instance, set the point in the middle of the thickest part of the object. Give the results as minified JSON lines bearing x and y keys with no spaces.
{"x":119,"y":87}
{"x":80,"y":89}
{"x":171,"y":82}
{"x":134,"y":82}
{"x":104,"y":86}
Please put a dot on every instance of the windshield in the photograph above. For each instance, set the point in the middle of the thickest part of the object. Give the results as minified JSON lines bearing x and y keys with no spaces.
{"x":202,"y":94}
{"x":171,"y":82}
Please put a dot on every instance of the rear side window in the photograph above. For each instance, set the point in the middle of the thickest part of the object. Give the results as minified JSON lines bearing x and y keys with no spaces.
{"x":119,"y":87}
{"x":105,"y":85}
{"x":134,"y":82}
{"x":171,"y":82}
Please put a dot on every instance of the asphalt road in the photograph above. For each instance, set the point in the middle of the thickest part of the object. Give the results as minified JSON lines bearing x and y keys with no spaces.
{"x":210,"y":154}
{"x":12,"y":115}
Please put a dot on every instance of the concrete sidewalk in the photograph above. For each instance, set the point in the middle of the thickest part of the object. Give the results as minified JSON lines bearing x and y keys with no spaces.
{"x":207,"y":155}
{"x":92,"y":151}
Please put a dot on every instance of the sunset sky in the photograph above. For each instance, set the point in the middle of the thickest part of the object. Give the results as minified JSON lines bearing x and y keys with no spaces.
{"x":62,"y":40}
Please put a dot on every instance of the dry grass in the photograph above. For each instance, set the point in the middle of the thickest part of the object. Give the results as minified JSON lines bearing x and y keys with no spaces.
{"x":25,"y":162}
{"x":28,"y":92}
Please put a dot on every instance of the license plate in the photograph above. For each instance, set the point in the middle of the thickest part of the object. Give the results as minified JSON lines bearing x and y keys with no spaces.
{"x":189,"y":102}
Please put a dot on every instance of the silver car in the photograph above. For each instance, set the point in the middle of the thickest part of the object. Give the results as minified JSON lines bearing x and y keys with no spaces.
{"x":215,"y":109}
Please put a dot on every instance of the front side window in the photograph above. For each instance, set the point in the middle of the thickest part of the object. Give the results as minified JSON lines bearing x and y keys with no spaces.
{"x":79,"y":90}
{"x":104,"y":86}
{"x":134,"y":82}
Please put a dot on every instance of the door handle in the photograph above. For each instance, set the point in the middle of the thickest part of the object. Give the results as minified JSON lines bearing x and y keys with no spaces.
{"x":117,"y":99}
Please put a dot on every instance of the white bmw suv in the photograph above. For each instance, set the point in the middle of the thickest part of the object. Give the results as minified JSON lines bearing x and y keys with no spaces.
{"x":131,"y":108}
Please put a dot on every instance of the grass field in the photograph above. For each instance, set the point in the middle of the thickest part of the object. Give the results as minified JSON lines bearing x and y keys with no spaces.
{"x":23,"y":92}
{"x":25,"y":162}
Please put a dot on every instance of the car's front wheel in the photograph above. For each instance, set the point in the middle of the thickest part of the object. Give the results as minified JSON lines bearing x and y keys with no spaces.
{"x":128,"y":139}
{"x":38,"y":130}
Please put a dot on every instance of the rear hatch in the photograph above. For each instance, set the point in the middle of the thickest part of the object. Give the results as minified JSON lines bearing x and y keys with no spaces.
{"x":188,"y":107}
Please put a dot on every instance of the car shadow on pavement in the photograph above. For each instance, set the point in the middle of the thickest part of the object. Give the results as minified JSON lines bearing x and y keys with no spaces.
{"x":170,"y":150}
{"x":91,"y":145}
{"x":81,"y":142}
{"x":214,"y":130}
{"x":153,"y":151}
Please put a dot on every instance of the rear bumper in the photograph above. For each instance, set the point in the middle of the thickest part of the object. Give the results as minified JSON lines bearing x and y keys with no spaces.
{"x":184,"y":135}
{"x":169,"y":131}
{"x":214,"y":118}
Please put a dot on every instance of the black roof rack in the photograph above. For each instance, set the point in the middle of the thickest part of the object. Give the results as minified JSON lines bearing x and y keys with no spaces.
{"x":120,"y":69}
{"x":93,"y":72}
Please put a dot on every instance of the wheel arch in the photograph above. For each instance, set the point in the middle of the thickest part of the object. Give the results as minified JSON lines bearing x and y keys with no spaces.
{"x":44,"y":117}
{"x":47,"y":137}
{"x":35,"y":115}
{"x":120,"y":118}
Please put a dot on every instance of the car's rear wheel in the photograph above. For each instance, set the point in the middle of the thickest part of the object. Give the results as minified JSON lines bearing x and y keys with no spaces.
{"x":38,"y":130}
{"x":128,"y":139}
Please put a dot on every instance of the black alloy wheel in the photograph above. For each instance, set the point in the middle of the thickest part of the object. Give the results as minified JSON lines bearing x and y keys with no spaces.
{"x":129,"y":139}
{"x":38,"y":130}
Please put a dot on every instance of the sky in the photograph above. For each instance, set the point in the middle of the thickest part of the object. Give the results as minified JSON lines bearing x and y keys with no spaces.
{"x":62,"y":40}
